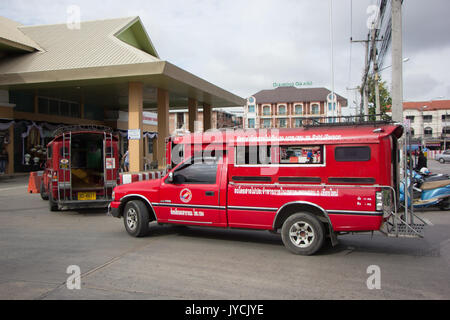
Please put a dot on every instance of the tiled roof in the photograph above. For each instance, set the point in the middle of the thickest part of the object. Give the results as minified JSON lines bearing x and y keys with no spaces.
{"x":431,"y":105}
{"x":11,"y":36}
{"x":293,"y":94}
{"x":94,"y":44}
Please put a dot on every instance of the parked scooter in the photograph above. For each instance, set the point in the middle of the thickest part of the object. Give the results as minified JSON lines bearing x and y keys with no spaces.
{"x":431,"y":191}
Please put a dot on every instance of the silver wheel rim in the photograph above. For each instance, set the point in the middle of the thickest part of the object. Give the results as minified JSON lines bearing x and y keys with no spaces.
{"x":131,"y":218}
{"x":302,"y":234}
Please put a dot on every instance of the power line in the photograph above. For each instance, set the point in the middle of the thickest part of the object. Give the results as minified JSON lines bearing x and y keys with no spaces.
{"x":351,"y":44}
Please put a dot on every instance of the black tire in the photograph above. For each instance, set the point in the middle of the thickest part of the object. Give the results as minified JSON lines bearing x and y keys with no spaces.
{"x":44,"y":195}
{"x":445,"y":204}
{"x":136,"y":218}
{"x":52,"y":206}
{"x":441,"y":160}
{"x":309,"y":234}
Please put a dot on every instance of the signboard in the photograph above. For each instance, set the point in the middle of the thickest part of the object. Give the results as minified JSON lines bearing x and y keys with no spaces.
{"x":134,"y":134}
{"x":292,"y":84}
{"x":110,"y":163}
{"x":150,"y":118}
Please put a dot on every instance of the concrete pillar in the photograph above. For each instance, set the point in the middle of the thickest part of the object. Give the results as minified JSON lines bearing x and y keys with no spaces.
{"x":193,"y":114}
{"x":397,"y":62}
{"x":135,"y":147}
{"x":163,"y":126}
{"x":207,"y":123}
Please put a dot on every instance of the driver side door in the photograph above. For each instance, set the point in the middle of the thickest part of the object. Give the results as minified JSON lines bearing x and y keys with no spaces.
{"x":193,"y":195}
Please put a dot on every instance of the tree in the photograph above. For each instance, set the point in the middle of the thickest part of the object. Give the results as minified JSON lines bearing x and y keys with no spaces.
{"x":385,"y":98}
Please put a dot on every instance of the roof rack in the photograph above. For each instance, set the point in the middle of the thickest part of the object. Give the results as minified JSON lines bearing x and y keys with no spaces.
{"x":371,"y":119}
{"x":79,"y":127}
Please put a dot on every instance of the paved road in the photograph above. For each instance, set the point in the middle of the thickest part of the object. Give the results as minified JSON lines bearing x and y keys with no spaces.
{"x":436,"y":167}
{"x":37,"y":246}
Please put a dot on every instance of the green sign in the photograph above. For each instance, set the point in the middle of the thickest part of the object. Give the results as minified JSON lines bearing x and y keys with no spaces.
{"x":292,"y":84}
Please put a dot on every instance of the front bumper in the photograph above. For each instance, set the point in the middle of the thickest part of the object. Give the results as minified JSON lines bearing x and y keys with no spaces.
{"x":74,"y":204}
{"x":113,"y":209}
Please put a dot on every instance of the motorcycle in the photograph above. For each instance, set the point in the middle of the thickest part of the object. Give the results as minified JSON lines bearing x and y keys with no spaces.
{"x":431,"y":191}
{"x":426,"y":175}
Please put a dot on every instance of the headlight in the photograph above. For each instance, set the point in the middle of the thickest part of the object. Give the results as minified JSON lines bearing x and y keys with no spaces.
{"x":113,"y":195}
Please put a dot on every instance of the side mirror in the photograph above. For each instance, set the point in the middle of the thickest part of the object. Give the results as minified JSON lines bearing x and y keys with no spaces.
{"x":170,"y":178}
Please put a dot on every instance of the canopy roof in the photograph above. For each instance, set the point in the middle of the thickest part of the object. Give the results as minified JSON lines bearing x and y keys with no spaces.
{"x":99,"y":53}
{"x":12,"y":39}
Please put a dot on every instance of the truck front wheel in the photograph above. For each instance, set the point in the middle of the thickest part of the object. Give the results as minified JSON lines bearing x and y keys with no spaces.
{"x":302,"y":233}
{"x":136,"y":218}
{"x":52,"y":206}
{"x":44,"y":195}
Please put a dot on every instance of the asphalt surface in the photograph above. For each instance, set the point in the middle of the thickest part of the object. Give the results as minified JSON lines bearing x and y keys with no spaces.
{"x":37,"y":246}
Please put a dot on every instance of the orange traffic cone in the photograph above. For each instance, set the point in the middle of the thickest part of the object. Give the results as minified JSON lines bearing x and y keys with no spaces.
{"x":34,"y":183}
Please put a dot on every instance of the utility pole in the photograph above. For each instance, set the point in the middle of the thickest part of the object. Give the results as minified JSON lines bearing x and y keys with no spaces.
{"x":397,"y":92}
{"x":375,"y":73}
{"x":364,"y":106}
{"x":364,"y":88}
{"x":397,"y":63}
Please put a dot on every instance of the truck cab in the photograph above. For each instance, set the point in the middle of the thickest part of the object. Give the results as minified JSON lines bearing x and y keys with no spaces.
{"x":308,"y":184}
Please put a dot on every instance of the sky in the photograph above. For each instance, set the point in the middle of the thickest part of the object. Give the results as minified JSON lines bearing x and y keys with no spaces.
{"x":245,"y":46}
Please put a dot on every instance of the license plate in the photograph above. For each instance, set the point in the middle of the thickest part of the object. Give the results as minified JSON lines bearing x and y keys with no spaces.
{"x":87,"y":196}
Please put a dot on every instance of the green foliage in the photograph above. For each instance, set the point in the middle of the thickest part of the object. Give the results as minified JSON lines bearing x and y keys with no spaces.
{"x":385,"y":97}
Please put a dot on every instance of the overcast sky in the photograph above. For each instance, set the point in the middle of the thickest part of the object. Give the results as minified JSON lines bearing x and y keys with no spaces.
{"x":246,"y":46}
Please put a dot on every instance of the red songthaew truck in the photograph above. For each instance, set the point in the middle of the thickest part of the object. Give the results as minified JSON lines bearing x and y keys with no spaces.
{"x":309,"y":184}
{"x":82,"y":168}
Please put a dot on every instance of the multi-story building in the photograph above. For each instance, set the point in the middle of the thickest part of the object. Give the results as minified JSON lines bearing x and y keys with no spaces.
{"x":290,"y":107}
{"x":179,"y":119}
{"x":429,"y":122}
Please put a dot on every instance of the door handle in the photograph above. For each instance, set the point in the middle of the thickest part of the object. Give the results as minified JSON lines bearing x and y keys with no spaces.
{"x":209,"y":193}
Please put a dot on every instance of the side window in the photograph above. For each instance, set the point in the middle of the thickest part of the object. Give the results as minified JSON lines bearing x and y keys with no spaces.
{"x":352,"y":153}
{"x":198,"y":171}
{"x":285,"y":154}
{"x":253,"y":155}
{"x":296,"y":154}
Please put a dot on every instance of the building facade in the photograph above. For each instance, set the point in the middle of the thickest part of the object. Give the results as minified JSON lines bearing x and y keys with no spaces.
{"x":291,"y":107}
{"x":429,"y":122}
{"x":179,"y":120}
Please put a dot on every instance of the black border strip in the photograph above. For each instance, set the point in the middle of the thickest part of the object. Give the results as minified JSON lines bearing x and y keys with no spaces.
{"x":356,"y":213}
{"x":351,"y":180}
{"x":253,"y":208}
{"x":156,"y":204}
{"x":300,"y":179}
{"x":248,"y":178}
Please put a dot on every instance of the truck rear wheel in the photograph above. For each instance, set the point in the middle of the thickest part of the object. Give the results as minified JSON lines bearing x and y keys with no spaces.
{"x":136,"y":218}
{"x":302,"y":233}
